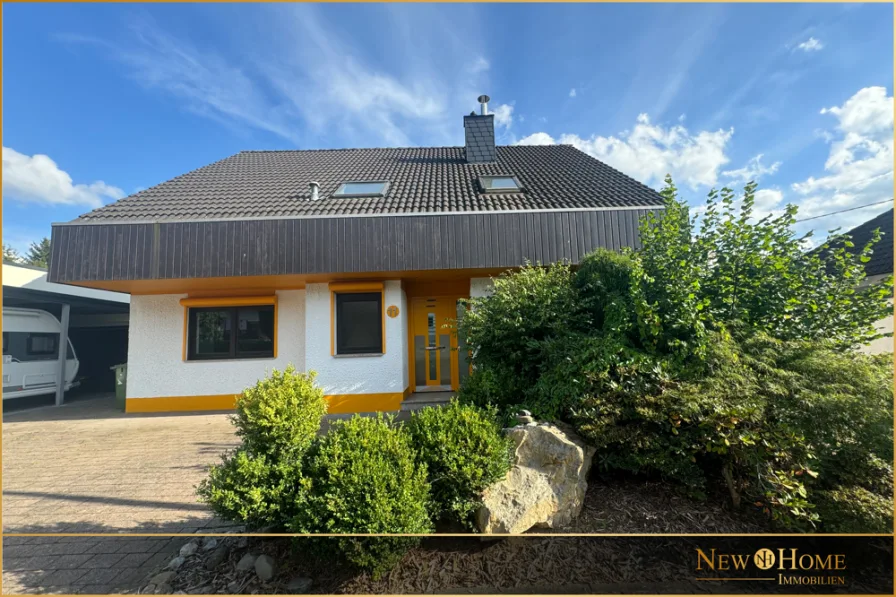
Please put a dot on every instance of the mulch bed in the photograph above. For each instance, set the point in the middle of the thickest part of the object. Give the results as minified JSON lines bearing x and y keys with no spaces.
{"x":535,"y":563}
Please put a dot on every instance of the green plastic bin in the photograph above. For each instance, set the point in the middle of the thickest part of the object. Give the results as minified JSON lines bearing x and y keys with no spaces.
{"x":121,"y":383}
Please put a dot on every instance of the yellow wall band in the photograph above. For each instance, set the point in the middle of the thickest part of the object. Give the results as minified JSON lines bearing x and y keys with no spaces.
{"x":235,"y":301}
{"x":339,"y":403}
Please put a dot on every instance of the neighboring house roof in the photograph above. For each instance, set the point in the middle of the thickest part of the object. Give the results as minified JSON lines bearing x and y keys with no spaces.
{"x":882,"y":257}
{"x":266,"y":184}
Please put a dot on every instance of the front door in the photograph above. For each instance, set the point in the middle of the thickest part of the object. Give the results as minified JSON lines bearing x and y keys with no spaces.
{"x":435,"y":360}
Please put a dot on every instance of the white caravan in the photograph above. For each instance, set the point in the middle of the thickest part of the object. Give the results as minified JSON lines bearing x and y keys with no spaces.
{"x":31,"y":354}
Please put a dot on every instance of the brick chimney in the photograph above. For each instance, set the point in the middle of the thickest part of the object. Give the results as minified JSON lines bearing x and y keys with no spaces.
{"x":479,"y":134}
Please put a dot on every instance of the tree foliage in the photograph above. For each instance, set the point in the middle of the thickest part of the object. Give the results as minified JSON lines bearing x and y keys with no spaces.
{"x":39,"y":253}
{"x":716,"y":354}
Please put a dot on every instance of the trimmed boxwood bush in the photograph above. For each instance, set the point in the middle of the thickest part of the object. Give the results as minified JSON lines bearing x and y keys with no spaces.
{"x":280,"y":415}
{"x":364,"y":477}
{"x":464,"y":452}
{"x":277,"y":418}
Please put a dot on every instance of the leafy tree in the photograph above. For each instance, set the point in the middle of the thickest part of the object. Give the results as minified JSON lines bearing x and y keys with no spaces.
{"x":754,"y":272}
{"x":39,"y":253}
{"x":11,"y":255}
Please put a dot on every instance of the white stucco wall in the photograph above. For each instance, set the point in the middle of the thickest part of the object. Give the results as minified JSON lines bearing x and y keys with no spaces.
{"x":155,"y":350}
{"x":376,"y":374}
{"x":480,"y":287}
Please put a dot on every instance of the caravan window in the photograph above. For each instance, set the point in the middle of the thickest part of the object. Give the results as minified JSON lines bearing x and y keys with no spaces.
{"x":32,"y":346}
{"x":43,"y":345}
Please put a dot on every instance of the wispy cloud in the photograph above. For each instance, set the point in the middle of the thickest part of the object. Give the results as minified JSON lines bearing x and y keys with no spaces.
{"x":306,"y":81}
{"x":752,"y":171}
{"x":37,"y":179}
{"x":810,"y":45}
{"x":572,"y":92}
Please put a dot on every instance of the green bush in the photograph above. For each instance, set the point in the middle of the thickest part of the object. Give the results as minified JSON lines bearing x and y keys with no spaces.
{"x":603,"y":282}
{"x":854,"y":510}
{"x":513,"y":330}
{"x":259,"y":483}
{"x":255,"y":490}
{"x":281,"y":414}
{"x":464,"y":451}
{"x":363,"y":476}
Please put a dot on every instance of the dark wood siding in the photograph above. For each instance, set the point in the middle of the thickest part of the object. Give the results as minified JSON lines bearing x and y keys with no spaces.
{"x":84,"y":252}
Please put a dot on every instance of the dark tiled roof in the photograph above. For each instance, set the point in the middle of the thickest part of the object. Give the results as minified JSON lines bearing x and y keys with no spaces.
{"x":882,"y":256}
{"x":423,"y":180}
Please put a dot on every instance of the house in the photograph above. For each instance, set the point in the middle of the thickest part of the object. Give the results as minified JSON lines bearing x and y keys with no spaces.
{"x":348,"y":262}
{"x":878,"y":268}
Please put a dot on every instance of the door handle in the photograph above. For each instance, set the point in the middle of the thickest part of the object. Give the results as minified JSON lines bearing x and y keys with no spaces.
{"x":433,"y":347}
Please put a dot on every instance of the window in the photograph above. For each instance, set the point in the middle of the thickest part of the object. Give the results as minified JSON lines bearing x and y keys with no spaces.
{"x":375,"y":188}
{"x":230,"y":332}
{"x":500,"y":184}
{"x":42,"y":346}
{"x":359,"y":323}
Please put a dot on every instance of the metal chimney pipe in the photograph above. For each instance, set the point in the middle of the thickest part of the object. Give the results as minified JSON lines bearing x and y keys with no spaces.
{"x":483,"y":104}
{"x":315,"y":187}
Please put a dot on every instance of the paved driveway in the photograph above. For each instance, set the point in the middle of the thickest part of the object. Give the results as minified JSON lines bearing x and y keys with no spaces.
{"x":87,"y":468}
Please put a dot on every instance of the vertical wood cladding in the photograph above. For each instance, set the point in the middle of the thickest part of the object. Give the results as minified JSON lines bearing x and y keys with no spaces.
{"x":169,"y":250}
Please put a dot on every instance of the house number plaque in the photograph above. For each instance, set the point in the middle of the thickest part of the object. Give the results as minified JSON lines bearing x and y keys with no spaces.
{"x":392,"y":311}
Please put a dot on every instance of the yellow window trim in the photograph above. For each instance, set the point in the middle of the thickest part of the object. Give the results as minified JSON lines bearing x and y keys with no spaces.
{"x":350,"y":287}
{"x":237,"y":301}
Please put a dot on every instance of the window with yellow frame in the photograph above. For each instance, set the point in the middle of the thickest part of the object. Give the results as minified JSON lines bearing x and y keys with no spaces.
{"x":230,"y":328}
{"x":357,"y":319}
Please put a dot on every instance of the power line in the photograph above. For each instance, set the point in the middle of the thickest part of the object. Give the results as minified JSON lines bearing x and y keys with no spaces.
{"x":833,"y":213}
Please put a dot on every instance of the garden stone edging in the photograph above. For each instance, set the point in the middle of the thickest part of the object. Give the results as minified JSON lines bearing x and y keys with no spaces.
{"x":546,"y":484}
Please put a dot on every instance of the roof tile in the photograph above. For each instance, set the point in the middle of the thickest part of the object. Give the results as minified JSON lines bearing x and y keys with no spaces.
{"x":423,"y":179}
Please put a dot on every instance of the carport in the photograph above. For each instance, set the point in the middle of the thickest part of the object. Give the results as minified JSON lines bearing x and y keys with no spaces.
{"x":96,"y":322}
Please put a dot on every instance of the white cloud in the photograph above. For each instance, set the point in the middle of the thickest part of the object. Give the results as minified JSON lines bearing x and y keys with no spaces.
{"x":37,"y":179}
{"x":479,"y":65}
{"x":810,"y":45}
{"x":503,"y":115}
{"x":753,"y":171}
{"x":537,"y":139}
{"x":649,"y":151}
{"x":572,"y":92}
{"x":859,"y":167}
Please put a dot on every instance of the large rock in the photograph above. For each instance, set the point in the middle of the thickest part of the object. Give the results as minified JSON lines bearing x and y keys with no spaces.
{"x":546,"y":485}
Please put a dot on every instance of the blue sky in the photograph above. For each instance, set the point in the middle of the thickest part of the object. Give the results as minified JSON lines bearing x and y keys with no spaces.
{"x":100,"y":101}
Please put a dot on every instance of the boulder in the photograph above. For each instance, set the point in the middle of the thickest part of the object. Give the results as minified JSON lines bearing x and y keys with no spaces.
{"x":189,"y":549}
{"x":247,"y":562}
{"x":216,"y":557}
{"x":299,"y":585}
{"x":265,"y":567}
{"x":546,"y":484}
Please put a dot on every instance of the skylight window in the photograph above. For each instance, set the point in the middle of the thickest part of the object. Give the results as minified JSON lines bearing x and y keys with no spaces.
{"x":500,"y":184}
{"x":373,"y":188}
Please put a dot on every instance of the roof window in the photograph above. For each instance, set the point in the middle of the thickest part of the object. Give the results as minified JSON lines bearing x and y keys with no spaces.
{"x":363,"y":188}
{"x":500,"y":184}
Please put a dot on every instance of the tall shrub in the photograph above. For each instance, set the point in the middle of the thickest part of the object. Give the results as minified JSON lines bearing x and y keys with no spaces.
{"x":259,"y":483}
{"x":512,"y":332}
{"x":464,"y":452}
{"x":362,"y":477}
